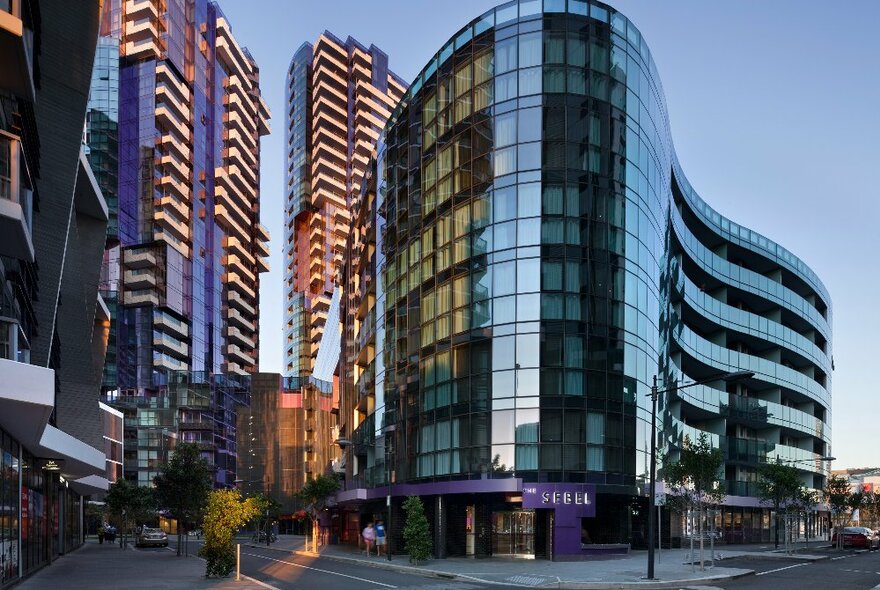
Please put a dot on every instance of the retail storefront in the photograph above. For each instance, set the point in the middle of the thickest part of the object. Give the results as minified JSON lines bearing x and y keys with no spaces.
{"x":493,"y":517}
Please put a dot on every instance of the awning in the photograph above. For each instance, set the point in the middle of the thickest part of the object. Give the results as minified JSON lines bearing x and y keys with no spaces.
{"x":27,"y":398}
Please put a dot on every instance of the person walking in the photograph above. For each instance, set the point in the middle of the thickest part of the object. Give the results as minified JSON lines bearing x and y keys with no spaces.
{"x":101,"y":535}
{"x":369,"y":536}
{"x":380,"y":538}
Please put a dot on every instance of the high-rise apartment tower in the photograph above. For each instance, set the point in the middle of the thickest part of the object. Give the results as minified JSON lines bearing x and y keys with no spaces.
{"x":191,"y":248}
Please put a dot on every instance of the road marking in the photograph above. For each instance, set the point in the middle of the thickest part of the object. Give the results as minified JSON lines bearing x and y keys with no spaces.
{"x":788,"y":567}
{"x":315,"y":569}
{"x":259,"y":583}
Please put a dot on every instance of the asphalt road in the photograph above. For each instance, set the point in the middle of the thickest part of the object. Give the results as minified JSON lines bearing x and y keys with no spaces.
{"x":294,"y":572}
{"x":845,"y":571}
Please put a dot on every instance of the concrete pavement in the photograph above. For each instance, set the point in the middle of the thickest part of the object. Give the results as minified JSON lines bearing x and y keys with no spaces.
{"x":107,"y":567}
{"x":673,"y":567}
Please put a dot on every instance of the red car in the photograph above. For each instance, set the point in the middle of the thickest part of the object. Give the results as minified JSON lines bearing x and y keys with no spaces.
{"x":858,"y":536}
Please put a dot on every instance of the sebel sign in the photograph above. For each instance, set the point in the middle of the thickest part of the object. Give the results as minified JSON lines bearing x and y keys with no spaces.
{"x":572,"y":499}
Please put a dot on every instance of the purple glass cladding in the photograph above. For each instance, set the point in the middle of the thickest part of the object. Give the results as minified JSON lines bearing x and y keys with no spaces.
{"x":129,"y":156}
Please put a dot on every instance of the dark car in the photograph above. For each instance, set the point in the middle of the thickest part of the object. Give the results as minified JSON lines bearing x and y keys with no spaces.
{"x":858,"y":536}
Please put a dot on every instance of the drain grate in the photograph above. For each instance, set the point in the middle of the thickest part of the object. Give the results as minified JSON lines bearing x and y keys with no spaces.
{"x":525,"y":580}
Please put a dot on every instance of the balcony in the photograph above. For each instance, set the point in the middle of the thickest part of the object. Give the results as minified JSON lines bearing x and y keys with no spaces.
{"x":170,"y":345}
{"x":16,"y":200}
{"x":235,"y":317}
{"x":17,"y":49}
{"x":171,"y":324}
{"x":239,"y":338}
{"x":237,"y":264}
{"x":138,"y":258}
{"x":139,"y":278}
{"x":238,"y":302}
{"x":238,"y":355}
{"x":140,"y":297}
{"x":141,"y":8}
{"x":177,"y":227}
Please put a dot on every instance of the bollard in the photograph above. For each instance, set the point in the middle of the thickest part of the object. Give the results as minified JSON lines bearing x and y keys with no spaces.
{"x":238,"y":562}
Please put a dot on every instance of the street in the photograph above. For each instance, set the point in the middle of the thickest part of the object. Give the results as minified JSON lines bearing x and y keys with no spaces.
{"x":847,"y":570}
{"x":288,"y":571}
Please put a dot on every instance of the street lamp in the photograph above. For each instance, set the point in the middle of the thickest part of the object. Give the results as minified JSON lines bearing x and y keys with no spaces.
{"x":652,"y":517}
{"x":389,"y":473}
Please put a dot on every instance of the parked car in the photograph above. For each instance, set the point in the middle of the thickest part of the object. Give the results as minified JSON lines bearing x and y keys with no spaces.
{"x":858,"y":536}
{"x":154,"y":537}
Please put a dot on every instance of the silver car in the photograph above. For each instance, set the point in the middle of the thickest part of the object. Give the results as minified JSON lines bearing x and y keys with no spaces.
{"x":152,"y":537}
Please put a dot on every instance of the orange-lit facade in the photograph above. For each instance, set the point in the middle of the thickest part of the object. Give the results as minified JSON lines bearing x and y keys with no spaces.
{"x":339,"y":95}
{"x":191,"y":247}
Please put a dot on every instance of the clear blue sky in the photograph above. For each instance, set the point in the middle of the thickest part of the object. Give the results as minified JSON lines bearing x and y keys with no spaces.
{"x":774,"y":113}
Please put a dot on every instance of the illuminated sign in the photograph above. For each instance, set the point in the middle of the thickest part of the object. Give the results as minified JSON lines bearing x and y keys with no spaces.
{"x":573,"y":499}
{"x":51,"y":464}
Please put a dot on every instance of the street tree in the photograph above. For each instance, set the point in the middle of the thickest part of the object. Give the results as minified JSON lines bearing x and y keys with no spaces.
{"x":226,"y":513}
{"x":837,"y":494}
{"x":314,"y":495}
{"x":129,"y":505}
{"x":183,"y":485}
{"x":694,"y":480}
{"x":268,"y":508}
{"x":416,"y":532}
{"x":778,"y":486}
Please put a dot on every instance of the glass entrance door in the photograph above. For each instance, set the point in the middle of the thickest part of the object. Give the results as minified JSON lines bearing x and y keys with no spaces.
{"x":513,"y":534}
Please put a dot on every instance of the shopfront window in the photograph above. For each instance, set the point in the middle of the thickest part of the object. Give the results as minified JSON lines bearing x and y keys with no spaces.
{"x":9,"y":503}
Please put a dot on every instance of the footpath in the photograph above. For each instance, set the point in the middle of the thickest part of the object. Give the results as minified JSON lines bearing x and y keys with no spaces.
{"x":673,"y":567}
{"x":107,"y":567}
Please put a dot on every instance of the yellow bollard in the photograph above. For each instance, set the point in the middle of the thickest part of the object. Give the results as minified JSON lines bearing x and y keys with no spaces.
{"x":238,"y":562}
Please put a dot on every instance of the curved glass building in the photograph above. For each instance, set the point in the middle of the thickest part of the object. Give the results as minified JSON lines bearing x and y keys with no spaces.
{"x":526,"y":258}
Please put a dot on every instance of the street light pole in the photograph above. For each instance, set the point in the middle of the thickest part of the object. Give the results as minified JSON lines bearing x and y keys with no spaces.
{"x":653,"y":480}
{"x":389,"y":453}
{"x":652,"y":476}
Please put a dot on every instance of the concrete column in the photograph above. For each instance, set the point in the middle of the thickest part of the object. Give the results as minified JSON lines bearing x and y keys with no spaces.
{"x":439,"y":527}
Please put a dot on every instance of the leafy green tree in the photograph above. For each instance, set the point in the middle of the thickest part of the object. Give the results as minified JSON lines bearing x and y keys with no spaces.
{"x":225,"y":514}
{"x":416,"y":533}
{"x":778,"y":486}
{"x":129,"y":505}
{"x":183,"y":485}
{"x":837,"y":494}
{"x":314,"y":495}
{"x":267,"y":509}
{"x":694,"y":478}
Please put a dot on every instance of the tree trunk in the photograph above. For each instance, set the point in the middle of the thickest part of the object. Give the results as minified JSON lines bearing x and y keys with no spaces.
{"x":702,"y":565}
{"x":776,"y":527}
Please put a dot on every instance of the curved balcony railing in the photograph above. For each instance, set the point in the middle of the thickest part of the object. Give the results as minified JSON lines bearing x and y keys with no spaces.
{"x":749,"y":323}
{"x":753,"y":410}
{"x":745,"y":237}
{"x":726,"y":360}
{"x":745,"y":279}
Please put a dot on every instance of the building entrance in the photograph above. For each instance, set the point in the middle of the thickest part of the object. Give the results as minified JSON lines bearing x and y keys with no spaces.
{"x":513,"y":534}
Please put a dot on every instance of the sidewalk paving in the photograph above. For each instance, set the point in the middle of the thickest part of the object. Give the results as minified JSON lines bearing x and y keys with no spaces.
{"x":672,"y":569}
{"x":110,"y":568}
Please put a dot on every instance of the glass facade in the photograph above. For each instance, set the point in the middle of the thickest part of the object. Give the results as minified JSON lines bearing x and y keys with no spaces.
{"x":539,"y":256}
{"x":184,"y":260}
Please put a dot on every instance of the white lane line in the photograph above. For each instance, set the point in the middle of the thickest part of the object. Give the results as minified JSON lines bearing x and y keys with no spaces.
{"x":259,"y":583}
{"x":315,"y":569}
{"x":788,"y":567}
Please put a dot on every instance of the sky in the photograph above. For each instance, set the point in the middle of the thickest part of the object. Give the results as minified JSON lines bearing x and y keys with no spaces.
{"x":774,"y":115}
